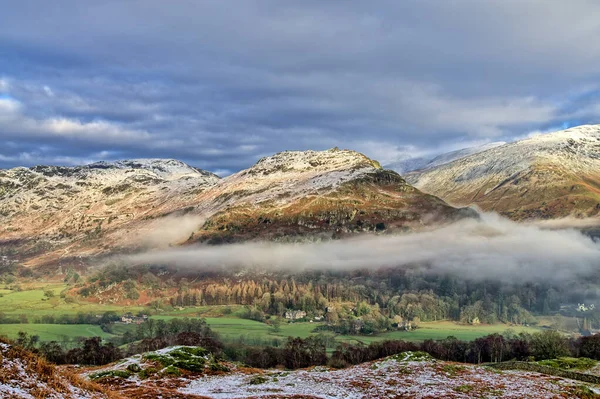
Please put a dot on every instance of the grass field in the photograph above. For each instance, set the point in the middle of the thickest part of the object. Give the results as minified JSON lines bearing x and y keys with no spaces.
{"x":32,"y":303}
{"x":222,"y":319}
{"x":54,"y":332}
{"x":230,"y":328}
{"x":440,"y":330}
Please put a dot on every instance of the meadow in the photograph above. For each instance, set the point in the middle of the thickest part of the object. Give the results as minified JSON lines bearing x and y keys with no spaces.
{"x":232,"y":328}
{"x":33,"y":303}
{"x":54,"y":332}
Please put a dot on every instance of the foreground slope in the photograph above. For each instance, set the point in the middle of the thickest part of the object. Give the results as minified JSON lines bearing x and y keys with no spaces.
{"x":407,"y":375}
{"x":548,"y":176}
{"x":26,"y":376}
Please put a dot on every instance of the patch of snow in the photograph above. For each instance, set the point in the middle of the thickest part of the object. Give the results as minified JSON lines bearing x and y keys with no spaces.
{"x":388,"y":378}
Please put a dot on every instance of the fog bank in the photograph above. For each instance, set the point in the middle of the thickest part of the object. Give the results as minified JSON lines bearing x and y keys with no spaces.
{"x":492,"y":248}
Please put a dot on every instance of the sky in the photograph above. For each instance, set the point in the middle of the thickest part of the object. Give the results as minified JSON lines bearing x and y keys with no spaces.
{"x":220,"y":84}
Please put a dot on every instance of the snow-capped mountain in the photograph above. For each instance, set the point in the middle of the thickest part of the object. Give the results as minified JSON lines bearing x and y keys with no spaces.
{"x":55,"y":214}
{"x":316,"y":192}
{"x":50,"y":210}
{"x":411,"y":164}
{"x":546,"y":176}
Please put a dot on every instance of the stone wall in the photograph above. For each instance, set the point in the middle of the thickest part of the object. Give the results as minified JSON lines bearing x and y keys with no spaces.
{"x":536,"y":368}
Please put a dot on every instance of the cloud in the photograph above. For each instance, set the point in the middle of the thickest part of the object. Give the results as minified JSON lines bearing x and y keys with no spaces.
{"x":177,"y":82}
{"x":4,"y":85}
{"x":171,"y":229}
{"x":493,"y":248}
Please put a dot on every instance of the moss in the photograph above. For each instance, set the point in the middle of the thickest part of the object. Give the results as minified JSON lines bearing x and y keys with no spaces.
{"x":257,"y":380}
{"x":216,"y":366}
{"x":466,"y":388}
{"x":146,"y":373}
{"x":185,"y":358}
{"x":452,"y":369}
{"x":134,"y":368}
{"x":165,"y":361}
{"x":569,"y":363}
{"x":111,"y":373}
{"x":191,"y":364}
{"x":171,"y":371}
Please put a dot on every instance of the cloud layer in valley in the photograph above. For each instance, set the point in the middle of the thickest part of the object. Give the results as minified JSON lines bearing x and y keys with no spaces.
{"x":492,"y":248}
{"x":220,"y":85}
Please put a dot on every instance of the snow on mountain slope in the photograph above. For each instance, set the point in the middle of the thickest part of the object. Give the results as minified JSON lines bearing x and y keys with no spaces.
{"x":547,"y":176}
{"x":412,"y":164}
{"x":313,"y":192}
{"x":55,"y":215}
{"x":458,"y":154}
{"x":316,"y":193}
{"x":49,"y":208}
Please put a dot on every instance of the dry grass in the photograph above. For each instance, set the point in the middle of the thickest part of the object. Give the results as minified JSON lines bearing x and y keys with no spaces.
{"x":42,"y":379}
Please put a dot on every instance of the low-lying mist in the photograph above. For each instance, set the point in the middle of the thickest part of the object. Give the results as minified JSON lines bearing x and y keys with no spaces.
{"x":491,"y":248}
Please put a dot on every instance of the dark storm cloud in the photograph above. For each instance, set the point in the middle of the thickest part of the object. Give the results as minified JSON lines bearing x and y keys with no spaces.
{"x":219,"y":84}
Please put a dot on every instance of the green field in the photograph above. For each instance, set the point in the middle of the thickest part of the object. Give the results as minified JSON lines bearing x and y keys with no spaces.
{"x":440,"y":330}
{"x":54,"y":332}
{"x":32,"y":303}
{"x":230,"y":328}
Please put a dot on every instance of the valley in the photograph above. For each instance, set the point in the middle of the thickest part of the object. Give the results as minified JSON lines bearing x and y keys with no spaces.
{"x":320,"y":252}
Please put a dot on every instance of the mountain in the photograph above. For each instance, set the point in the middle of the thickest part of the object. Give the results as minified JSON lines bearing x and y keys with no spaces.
{"x":335,"y":192}
{"x":54,"y":212}
{"x":459,"y":154}
{"x":411,"y":164}
{"x":53,"y":215}
{"x":547,"y":176}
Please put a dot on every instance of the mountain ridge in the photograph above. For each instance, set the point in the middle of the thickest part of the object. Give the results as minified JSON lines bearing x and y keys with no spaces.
{"x":547,"y":176}
{"x":420,"y":163}
{"x":57,"y":214}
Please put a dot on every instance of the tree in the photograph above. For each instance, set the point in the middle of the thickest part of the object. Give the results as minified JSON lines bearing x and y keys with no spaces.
{"x":549,"y":345}
{"x":276,"y":325}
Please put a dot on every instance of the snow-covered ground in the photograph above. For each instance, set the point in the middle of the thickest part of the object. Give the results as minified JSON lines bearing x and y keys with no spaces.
{"x":390,"y":378}
{"x":23,"y":377}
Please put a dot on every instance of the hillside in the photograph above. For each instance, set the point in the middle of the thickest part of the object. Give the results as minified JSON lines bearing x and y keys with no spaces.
{"x":49,"y":213}
{"x":411,"y":164}
{"x":547,"y":176}
{"x":409,"y":374}
{"x":56,"y":215}
{"x":23,"y":375}
{"x":316,"y":193}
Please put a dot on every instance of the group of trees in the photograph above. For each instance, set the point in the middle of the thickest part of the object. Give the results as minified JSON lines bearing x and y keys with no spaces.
{"x":406,"y":293}
{"x":426,"y":298}
{"x":295,"y":353}
{"x":299,"y":353}
{"x":149,"y":336}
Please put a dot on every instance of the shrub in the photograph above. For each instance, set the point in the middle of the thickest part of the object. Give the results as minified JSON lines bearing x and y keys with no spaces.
{"x":257,"y":380}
